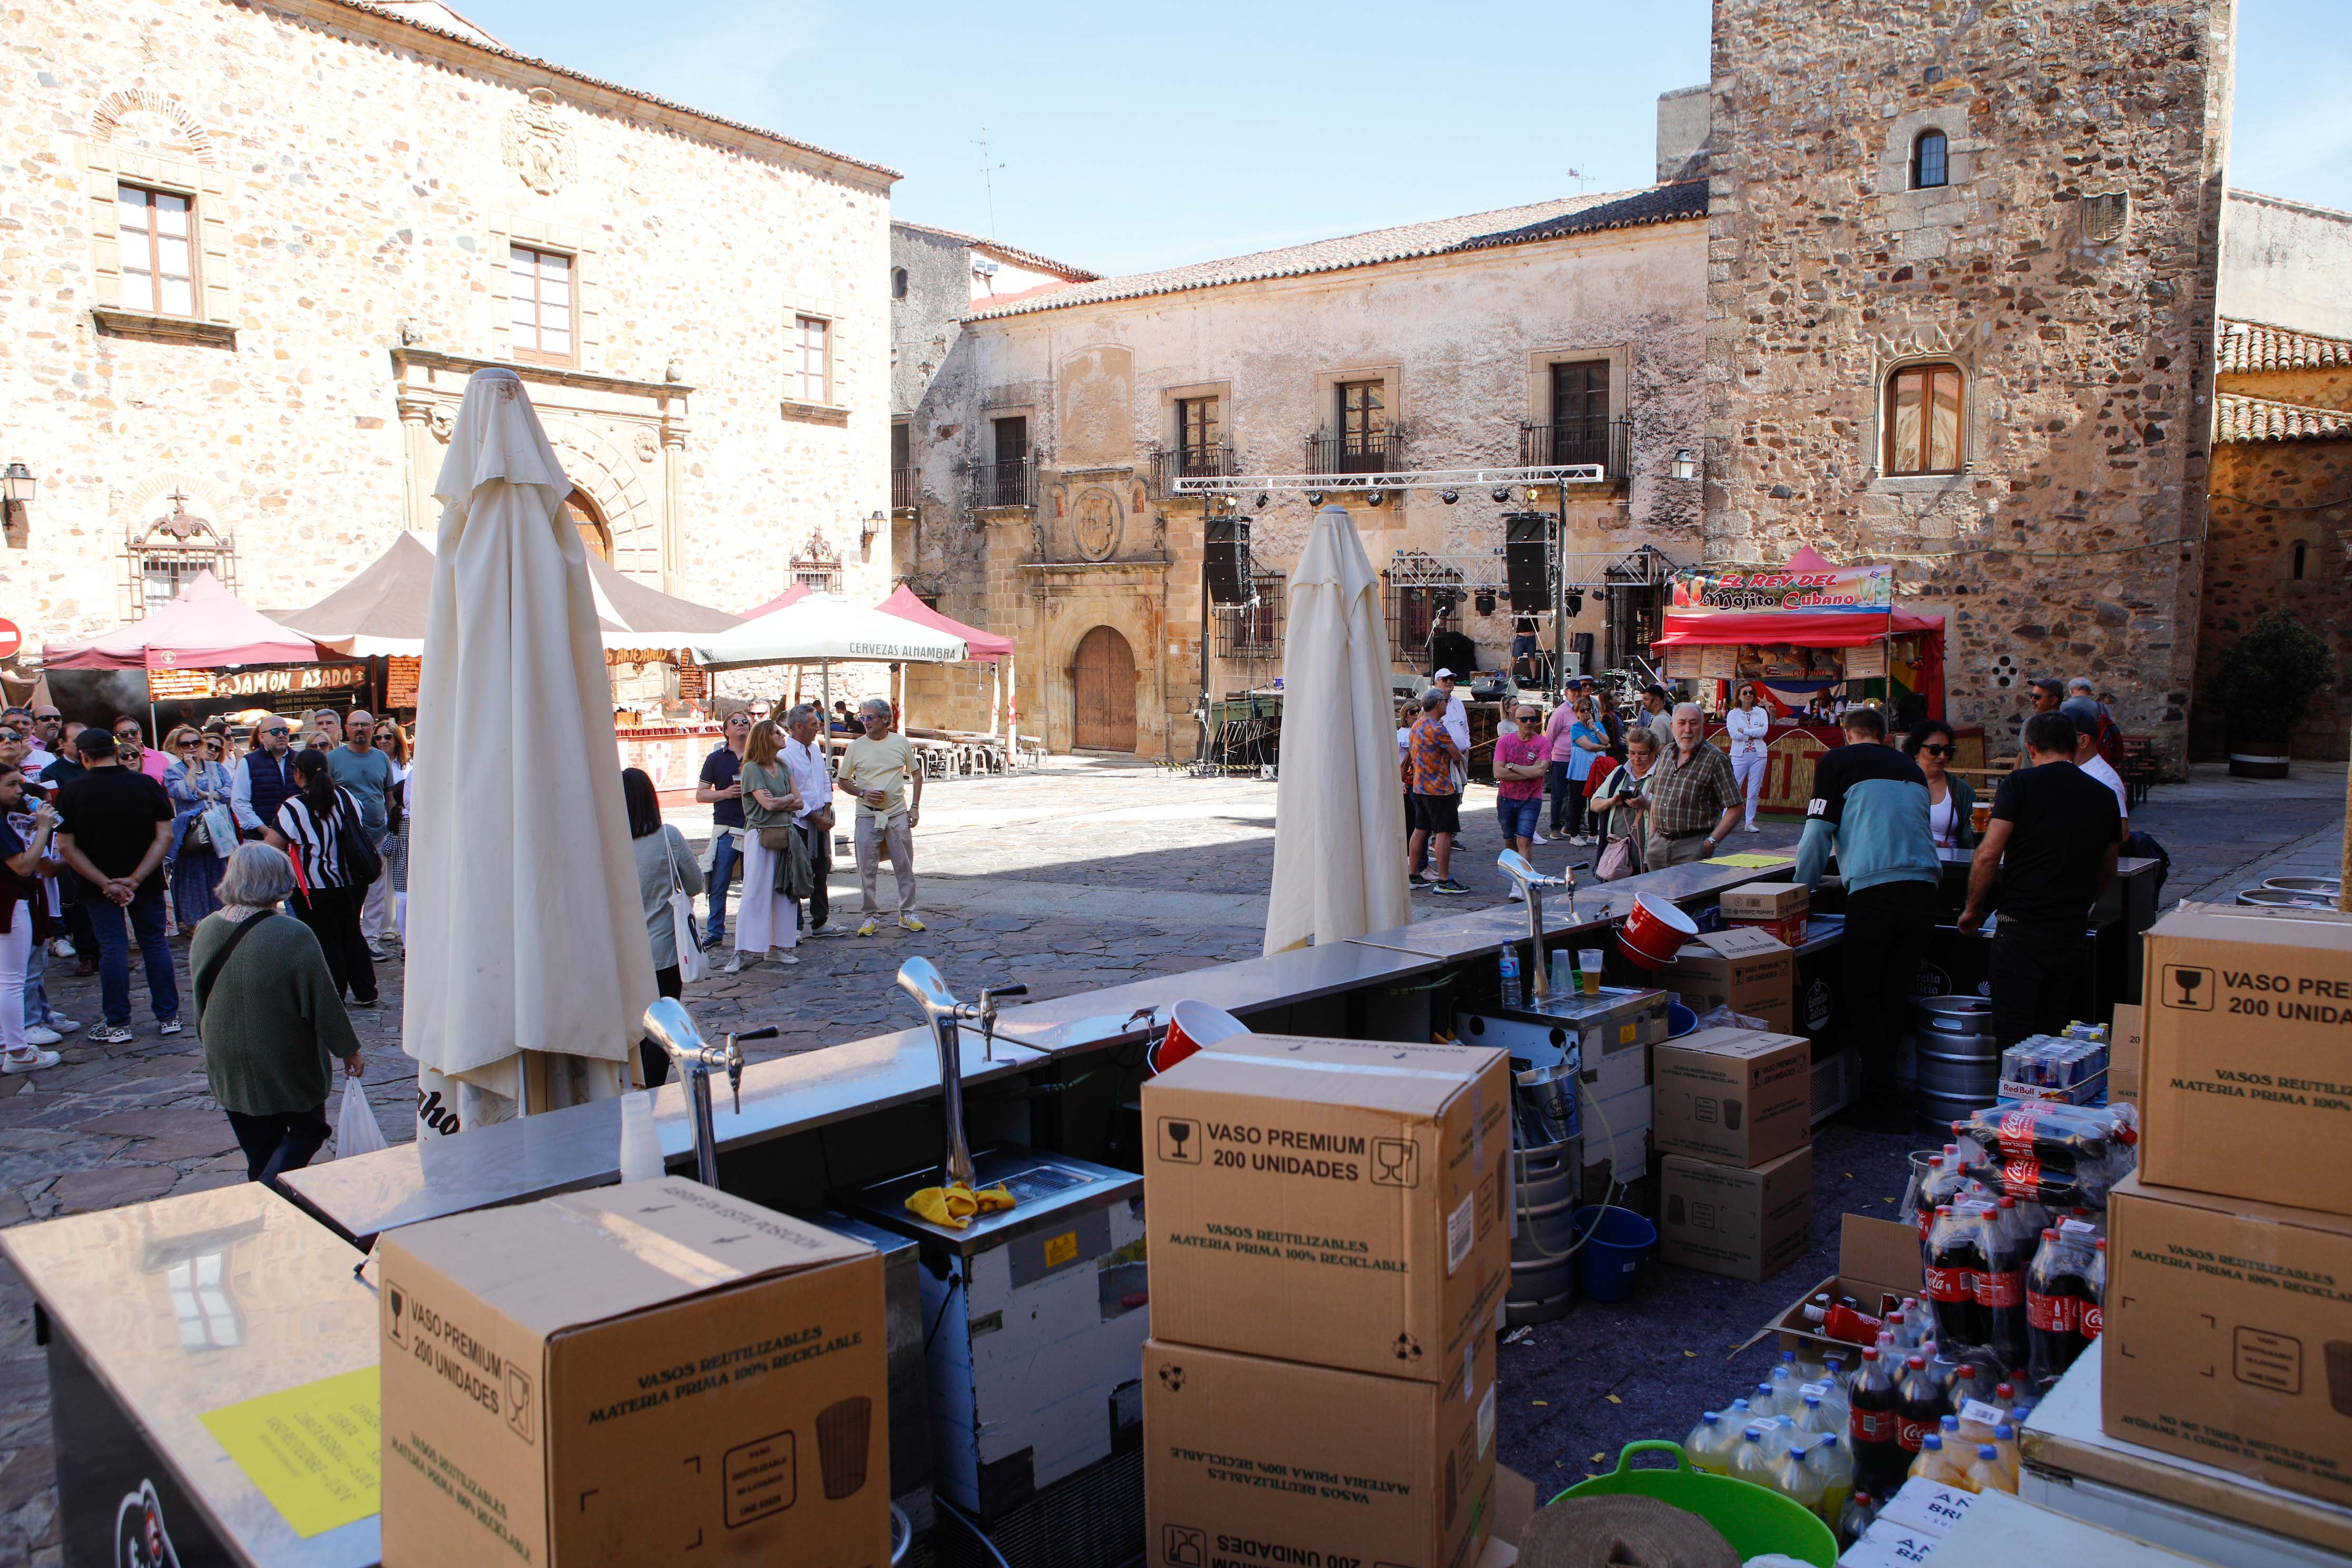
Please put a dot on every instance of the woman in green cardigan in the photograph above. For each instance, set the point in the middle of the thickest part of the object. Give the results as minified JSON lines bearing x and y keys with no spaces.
{"x":269,"y":1015}
{"x":1951,"y":800}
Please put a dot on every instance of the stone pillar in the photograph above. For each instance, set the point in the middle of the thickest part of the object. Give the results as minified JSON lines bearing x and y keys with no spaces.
{"x":672,"y":500}
{"x":419,"y":453}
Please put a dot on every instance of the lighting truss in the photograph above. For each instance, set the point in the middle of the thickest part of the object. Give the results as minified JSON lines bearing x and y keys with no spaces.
{"x":1586,"y":571}
{"x":1414,"y":479}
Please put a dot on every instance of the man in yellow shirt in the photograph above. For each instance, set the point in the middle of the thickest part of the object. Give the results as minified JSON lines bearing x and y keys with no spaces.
{"x":875,"y":768}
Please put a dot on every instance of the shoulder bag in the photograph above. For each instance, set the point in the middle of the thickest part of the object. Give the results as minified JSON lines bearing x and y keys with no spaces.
{"x":684,"y":938}
{"x":362,"y":862}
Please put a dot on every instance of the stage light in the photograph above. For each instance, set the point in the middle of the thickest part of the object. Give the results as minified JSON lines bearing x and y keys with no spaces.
{"x":1261,"y":498}
{"x":1449,"y":496}
{"x":1485,"y":601}
{"x":1575,"y":603}
{"x":1375,"y":497}
{"x":1502,"y":494}
{"x":1314,"y":498}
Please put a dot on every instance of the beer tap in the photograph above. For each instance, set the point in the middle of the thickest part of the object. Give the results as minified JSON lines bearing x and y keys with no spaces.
{"x":670,"y":1027}
{"x":1532,"y":883}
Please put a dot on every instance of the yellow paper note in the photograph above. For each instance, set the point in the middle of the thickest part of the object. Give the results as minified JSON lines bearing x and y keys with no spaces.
{"x":313,"y":1450}
{"x":1753,"y":862}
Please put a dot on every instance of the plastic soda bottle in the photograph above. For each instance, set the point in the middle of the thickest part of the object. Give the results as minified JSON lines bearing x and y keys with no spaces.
{"x":1986,"y":1474}
{"x":1859,"y":1511}
{"x":1704,"y":1447}
{"x":1752,"y":1461}
{"x":1829,"y":1459}
{"x":1784,"y":1379}
{"x":1873,"y":1428}
{"x":1918,"y":1404}
{"x":1764,"y":1400}
{"x":2004,"y":1442}
{"x":1797,"y":1481}
{"x":1935,"y":1464}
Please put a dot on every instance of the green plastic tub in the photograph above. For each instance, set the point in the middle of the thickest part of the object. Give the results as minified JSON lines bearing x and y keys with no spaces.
{"x":1752,"y":1520}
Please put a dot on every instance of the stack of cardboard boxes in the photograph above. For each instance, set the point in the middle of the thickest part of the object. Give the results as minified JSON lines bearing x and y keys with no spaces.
{"x":1330,"y":1244}
{"x":2228,"y":1332}
{"x":1734,"y":1113}
{"x":1780,"y":909}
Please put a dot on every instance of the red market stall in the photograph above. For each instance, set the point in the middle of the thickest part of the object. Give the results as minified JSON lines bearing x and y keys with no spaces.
{"x":1806,"y":634}
{"x":987,"y":648}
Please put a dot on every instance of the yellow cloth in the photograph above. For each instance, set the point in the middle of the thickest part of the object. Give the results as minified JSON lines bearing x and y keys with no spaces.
{"x":955,"y":1204}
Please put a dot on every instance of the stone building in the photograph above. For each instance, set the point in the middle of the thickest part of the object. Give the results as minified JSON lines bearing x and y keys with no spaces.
{"x":256,"y":247}
{"x":1960,"y":315}
{"x":1052,"y":432}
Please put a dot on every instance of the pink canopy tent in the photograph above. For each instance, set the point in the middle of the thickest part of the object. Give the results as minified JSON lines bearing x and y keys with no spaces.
{"x":986,"y":648}
{"x":785,"y":600}
{"x":205,"y":627}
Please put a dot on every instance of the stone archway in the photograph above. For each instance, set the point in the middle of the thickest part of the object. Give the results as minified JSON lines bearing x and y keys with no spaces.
{"x":1102,"y":686}
{"x":588,"y":518}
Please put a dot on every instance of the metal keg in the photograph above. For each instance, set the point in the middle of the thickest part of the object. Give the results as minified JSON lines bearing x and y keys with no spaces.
{"x":1543,"y":1281}
{"x":2284,"y":899}
{"x":1956,"y":1058}
{"x":2324,"y":887}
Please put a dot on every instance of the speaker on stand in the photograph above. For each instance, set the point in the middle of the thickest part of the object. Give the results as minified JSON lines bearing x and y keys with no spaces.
{"x":1225,"y":559}
{"x":1527,"y":547}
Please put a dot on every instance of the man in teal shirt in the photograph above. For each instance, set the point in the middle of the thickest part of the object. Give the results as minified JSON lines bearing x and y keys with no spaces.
{"x":356,"y":765}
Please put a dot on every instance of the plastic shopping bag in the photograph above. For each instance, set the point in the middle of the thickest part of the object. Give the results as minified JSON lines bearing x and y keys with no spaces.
{"x":355,"y":1129}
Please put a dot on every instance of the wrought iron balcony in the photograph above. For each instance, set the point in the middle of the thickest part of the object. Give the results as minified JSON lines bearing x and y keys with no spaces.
{"x":1004,"y":484}
{"x":1380,"y":452}
{"x":905,"y":488}
{"x":1607,"y":442}
{"x":1169,"y":464}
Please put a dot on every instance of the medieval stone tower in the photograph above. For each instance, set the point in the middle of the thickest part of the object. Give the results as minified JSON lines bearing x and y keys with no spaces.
{"x":1960,"y":313}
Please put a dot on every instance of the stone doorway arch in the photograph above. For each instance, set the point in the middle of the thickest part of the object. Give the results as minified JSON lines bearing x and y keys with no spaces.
{"x":1102,"y":685}
{"x":588,"y":518}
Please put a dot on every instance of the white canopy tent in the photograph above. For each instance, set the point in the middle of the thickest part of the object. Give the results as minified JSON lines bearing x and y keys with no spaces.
{"x":1338,"y":810}
{"x":825,"y":630}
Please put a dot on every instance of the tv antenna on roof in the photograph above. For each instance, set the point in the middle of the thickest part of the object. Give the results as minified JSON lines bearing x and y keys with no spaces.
{"x":988,"y":178}
{"x":1582,"y":179}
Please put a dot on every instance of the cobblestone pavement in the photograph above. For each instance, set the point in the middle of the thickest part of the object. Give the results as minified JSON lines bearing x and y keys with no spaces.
{"x":1078,"y":876}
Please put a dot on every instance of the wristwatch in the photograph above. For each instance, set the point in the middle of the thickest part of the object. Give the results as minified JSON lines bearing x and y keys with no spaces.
{"x":1710,"y":844}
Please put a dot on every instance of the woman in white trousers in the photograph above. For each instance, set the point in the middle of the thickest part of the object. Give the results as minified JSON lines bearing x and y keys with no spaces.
{"x":1749,"y":722}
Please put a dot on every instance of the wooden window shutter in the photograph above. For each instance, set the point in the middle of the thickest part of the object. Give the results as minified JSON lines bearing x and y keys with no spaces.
{"x":216,"y":269}
{"x":98,"y":183}
{"x":588,"y":304}
{"x":501,"y":249}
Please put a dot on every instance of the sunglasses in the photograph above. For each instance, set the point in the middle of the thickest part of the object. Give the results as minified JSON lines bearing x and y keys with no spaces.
{"x":1939,"y":750}
{"x":128,"y":737}
{"x":187,"y":745}
{"x":6,"y":735}
{"x":281,"y":729}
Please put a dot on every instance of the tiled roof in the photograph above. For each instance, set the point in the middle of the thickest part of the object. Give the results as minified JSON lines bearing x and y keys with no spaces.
{"x":2244,"y":418}
{"x":1508,"y":226}
{"x":2251,"y":346}
{"x":475,"y":40}
{"x":1008,"y":252}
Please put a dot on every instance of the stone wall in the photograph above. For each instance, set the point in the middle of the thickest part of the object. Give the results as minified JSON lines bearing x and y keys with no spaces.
{"x":2286,"y":263}
{"x":2269,"y":497}
{"x":2068,"y":269}
{"x":1462,"y":343}
{"x":358,"y":181}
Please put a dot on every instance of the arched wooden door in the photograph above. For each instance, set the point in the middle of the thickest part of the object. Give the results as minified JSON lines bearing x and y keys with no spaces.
{"x":590,"y":520}
{"x":1103,"y":678}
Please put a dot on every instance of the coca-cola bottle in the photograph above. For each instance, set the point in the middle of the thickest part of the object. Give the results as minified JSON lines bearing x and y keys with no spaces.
{"x":1930,"y":1188}
{"x":1919,"y":1407}
{"x":1954,"y":1254}
{"x":1872,"y":1425}
{"x":2001,"y":1285}
{"x":2060,"y":1288}
{"x":2094,"y":1317}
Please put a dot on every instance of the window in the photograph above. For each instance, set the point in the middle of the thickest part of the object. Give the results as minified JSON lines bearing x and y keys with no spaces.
{"x":2302,"y":559}
{"x":1006,"y":480}
{"x":1928,"y":160}
{"x":1196,"y":434}
{"x":541,"y":289}
{"x":1363,"y":424}
{"x":898,"y":282}
{"x":1923,"y":420}
{"x":902,"y":467}
{"x":163,"y":555}
{"x":817,"y":566}
{"x":158,"y":261}
{"x":1580,"y":412}
{"x":813,"y":359}
{"x":1012,"y":436}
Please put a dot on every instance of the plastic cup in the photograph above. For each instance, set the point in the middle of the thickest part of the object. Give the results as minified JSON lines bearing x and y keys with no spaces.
{"x":1980,"y":816}
{"x":1587,"y":959}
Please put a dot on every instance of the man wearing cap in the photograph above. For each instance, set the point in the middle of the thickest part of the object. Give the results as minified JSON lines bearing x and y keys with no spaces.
{"x":1432,"y":760}
{"x":1457,"y":715}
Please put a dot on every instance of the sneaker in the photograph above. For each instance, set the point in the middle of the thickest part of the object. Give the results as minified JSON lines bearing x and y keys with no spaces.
{"x":735,"y":965}
{"x":112,"y":1034}
{"x":34,"y":1062}
{"x":1518,"y":897}
{"x":368,"y":1005}
{"x":782,"y":958}
{"x":909,"y":922}
{"x":871,"y":927}
{"x":716,"y":938}
{"x":1418,"y":879}
{"x":1539,"y":838}
{"x":63,"y":1025}
{"x":378,"y":955}
{"x":1447,"y":886}
{"x":62,"y":947}
{"x":42,"y":1034}
{"x":1751,"y":828}
{"x":174,"y":1025}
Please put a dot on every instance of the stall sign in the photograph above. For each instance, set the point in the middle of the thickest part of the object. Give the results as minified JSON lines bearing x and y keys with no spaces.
{"x":1717,"y":661}
{"x":1867,"y":662}
{"x":401,"y":675}
{"x":194,"y":685}
{"x":1862,"y":588}
{"x":1682,"y":663}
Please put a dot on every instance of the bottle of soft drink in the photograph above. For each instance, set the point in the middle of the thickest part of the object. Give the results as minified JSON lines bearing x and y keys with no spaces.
{"x":2001,"y":1284}
{"x":1835,"y":1371}
{"x":1872,"y":1425}
{"x":1955,"y":1257}
{"x":1798,"y":1481}
{"x":1986,"y":1473}
{"x":2061,"y":1288}
{"x":1763,"y":1400}
{"x":1944,"y":1368}
{"x":2095,"y":1316}
{"x":1752,"y":1462}
{"x":1510,"y":964}
{"x":1829,"y":1459}
{"x":1934,"y":1465}
{"x":1918,"y":1406}
{"x":1860,"y":1511}
{"x":1931,"y":1187}
{"x":2004,"y":1442}
{"x":1784,"y":1380}
{"x":1704,"y":1447}
{"x":1814,"y":1416}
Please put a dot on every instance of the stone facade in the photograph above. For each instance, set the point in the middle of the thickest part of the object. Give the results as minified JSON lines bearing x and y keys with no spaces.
{"x":358,"y":182}
{"x":2068,"y":267}
{"x":1460,"y":328}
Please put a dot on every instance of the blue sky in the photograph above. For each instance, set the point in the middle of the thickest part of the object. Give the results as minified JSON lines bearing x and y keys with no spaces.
{"x":1134,"y":136}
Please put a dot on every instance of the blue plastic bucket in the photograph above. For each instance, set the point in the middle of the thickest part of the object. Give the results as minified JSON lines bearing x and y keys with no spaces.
{"x":1614,"y":1243}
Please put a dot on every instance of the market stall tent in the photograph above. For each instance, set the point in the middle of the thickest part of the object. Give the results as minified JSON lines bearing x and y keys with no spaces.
{"x":821,"y":629}
{"x":204,"y":627}
{"x":1811,"y":605}
{"x":986,"y":648}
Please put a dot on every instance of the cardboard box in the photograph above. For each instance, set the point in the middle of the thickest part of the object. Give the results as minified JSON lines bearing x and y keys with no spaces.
{"x":2248,"y":1082}
{"x":2227,"y":1335}
{"x":1344,"y":1203}
{"x":1878,"y":1265}
{"x":1744,"y":967}
{"x":2125,"y":1048}
{"x":1779,"y":909}
{"x":1743,"y":1224}
{"x":1738,"y":1096}
{"x":1250,"y":1462}
{"x":619,"y":1376}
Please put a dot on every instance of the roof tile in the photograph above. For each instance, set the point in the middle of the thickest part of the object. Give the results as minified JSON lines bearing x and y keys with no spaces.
{"x":2242,"y":418}
{"x":2252,"y":346}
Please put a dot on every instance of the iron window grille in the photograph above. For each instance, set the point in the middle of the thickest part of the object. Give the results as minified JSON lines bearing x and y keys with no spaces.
{"x":1583,"y":438}
{"x":1253,"y":630}
{"x":162,"y":557}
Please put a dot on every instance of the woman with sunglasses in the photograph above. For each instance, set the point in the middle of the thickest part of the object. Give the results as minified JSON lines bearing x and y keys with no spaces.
{"x":392,"y":742}
{"x":131,"y":750}
{"x":196,"y":782}
{"x":1749,"y":722}
{"x":1951,"y":800}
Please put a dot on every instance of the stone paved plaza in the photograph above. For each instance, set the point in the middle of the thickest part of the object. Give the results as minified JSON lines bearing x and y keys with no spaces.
{"x":1078,"y":876}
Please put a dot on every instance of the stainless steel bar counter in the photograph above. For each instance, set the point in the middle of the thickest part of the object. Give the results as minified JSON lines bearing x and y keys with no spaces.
{"x":1307,"y":990}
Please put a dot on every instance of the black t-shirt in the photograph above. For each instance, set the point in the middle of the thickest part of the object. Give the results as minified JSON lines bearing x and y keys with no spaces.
{"x":111,"y":814}
{"x":719,"y":769}
{"x":2061,"y":822}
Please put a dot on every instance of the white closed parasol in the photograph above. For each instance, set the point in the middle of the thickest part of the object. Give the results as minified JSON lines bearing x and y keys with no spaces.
{"x":528,"y":967}
{"x":1339,"y":808}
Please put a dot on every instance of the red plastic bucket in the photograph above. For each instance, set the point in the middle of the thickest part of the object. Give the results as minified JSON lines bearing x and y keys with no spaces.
{"x":1191,"y":1025}
{"x":1654,"y":931}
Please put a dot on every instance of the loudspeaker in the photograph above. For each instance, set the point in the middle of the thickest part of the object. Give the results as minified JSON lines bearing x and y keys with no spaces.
{"x":1226,"y":560}
{"x":1527,"y":558}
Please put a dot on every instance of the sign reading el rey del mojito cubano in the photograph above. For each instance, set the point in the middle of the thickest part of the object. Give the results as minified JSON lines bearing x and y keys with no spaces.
{"x":167,"y":684}
{"x":1779,"y":588}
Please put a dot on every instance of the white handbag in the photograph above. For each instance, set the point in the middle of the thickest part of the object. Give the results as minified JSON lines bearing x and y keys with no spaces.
{"x":691,"y":964}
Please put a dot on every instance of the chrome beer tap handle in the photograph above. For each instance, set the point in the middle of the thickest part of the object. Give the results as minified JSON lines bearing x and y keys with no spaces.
{"x":919,"y":978}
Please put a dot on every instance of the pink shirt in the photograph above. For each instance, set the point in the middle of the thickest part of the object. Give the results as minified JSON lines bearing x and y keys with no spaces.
{"x":1520,"y":752}
{"x":1555,"y":728}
